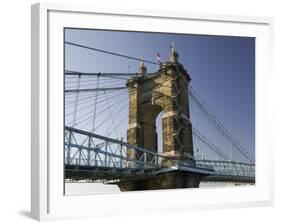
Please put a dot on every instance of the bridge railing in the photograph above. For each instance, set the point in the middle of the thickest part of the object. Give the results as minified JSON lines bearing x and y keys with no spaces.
{"x":228,"y":168}
{"x":91,"y":150}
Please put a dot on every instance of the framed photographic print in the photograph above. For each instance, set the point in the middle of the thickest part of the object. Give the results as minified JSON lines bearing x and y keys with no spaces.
{"x":164,"y":111}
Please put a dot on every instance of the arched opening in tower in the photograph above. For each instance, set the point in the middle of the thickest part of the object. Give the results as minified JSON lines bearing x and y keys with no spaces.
{"x":149,"y":128}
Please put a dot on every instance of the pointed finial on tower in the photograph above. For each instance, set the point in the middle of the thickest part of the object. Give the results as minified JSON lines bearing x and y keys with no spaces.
{"x":142,"y":62}
{"x":174,"y":55}
{"x":173,"y":46}
{"x":142,"y":69}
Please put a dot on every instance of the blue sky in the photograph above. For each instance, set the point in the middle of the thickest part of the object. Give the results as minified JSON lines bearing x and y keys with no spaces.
{"x":222,"y":68}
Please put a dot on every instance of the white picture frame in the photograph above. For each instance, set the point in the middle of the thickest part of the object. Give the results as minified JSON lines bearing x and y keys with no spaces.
{"x":47,"y":198}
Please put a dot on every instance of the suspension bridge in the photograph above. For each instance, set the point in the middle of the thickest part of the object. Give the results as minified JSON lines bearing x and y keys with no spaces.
{"x":136,"y":127}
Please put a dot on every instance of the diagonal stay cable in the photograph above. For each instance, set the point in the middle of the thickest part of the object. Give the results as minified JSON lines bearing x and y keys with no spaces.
{"x":121,"y":120}
{"x":111,"y":117}
{"x":88,"y":100}
{"x":117,"y":102}
{"x":210,"y":144}
{"x":91,"y":82}
{"x":70,"y":97}
{"x":218,"y":124}
{"x":109,"y":52}
{"x":81,"y":99}
{"x":90,"y":105}
{"x":215,"y":121}
{"x":90,"y":75}
{"x":95,"y":89}
{"x":122,"y":106}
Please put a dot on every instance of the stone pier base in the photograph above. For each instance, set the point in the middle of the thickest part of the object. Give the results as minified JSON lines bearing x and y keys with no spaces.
{"x":162,"y":181}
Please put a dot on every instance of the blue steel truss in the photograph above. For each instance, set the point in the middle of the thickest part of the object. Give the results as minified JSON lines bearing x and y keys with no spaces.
{"x":228,"y":170}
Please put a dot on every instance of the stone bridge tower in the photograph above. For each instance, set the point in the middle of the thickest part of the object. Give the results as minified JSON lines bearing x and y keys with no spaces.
{"x":167,"y":91}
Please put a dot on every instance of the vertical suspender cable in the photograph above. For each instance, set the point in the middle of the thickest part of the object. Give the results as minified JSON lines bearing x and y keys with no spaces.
{"x":76,"y":101}
{"x":94,"y":116}
{"x":95,"y":105}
